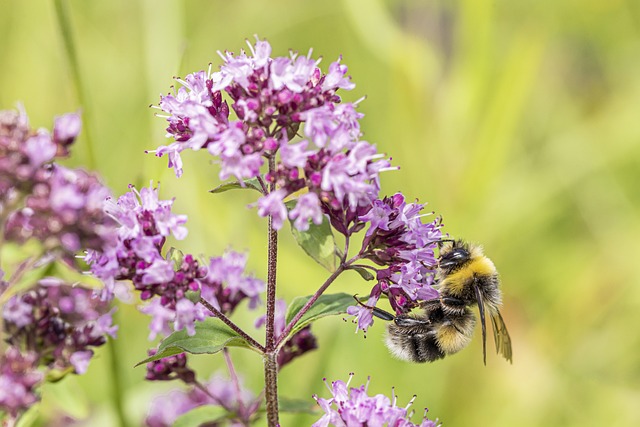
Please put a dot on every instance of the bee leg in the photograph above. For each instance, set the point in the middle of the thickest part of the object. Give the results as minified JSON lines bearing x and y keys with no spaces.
{"x":378,"y":312}
{"x":384,"y":315}
{"x":411,"y":321}
{"x":430,"y":304}
{"x":453,"y":301}
{"x":451,"y":305}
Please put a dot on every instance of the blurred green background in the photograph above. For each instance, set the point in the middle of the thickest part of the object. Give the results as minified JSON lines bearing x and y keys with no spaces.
{"x":517,"y":121}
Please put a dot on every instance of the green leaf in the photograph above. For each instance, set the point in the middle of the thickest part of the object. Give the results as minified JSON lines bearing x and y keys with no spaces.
{"x":297,"y":406}
{"x":55,"y":375}
{"x":247,"y":184}
{"x":212,"y":335}
{"x":317,"y":242}
{"x":326,"y":305}
{"x":365,"y":273}
{"x":200,"y":415}
{"x":193,"y":296}
{"x":292,"y":130}
{"x":161,"y":354}
{"x":176,"y":256}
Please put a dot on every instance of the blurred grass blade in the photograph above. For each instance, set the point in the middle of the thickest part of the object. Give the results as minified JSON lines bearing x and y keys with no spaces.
{"x":72,"y":58}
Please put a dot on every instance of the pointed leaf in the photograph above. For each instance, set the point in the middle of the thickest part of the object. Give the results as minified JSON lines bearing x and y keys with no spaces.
{"x":248,"y":184}
{"x":212,"y":335}
{"x":366,"y":274}
{"x":317,"y":241}
{"x":201,"y":415}
{"x":326,"y":305}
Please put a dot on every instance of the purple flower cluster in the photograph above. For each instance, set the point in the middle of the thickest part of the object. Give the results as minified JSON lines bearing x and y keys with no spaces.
{"x":64,"y":211}
{"x":169,"y":285}
{"x":51,"y":325}
{"x":226,"y":284}
{"x":353,"y":407}
{"x":59,"y":323}
{"x":60,"y":207}
{"x":300,"y":343}
{"x":19,"y":377}
{"x":25,"y":153}
{"x":272,"y":98}
{"x":339,"y":172}
{"x":403,"y":246}
{"x":218,"y":391}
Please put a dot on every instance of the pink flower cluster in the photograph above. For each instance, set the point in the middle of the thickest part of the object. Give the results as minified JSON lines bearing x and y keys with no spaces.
{"x":60,"y":207}
{"x":218,"y":391}
{"x":58,"y":321}
{"x":145,"y":223}
{"x":403,"y":246}
{"x":19,"y":377}
{"x":272,"y":98}
{"x":353,"y":407}
{"x":54,"y":326}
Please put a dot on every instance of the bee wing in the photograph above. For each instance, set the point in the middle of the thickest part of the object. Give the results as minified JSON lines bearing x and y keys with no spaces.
{"x":484,"y":326}
{"x":501,"y":335}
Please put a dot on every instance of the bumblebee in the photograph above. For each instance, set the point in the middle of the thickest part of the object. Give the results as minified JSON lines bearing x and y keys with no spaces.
{"x":465,"y":277}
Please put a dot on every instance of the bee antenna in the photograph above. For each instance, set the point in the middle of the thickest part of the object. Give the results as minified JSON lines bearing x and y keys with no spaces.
{"x":441,"y":241}
{"x":378,"y":312}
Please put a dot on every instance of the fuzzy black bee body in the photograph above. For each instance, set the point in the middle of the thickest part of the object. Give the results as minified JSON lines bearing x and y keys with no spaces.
{"x":464,"y":278}
{"x":431,"y":335}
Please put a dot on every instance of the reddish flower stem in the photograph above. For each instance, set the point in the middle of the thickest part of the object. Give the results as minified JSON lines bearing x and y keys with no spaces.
{"x":287,"y":330}
{"x":232,"y":325}
{"x":271,"y":354}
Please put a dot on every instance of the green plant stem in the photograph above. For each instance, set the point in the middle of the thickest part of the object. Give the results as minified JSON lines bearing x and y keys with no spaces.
{"x":62,"y":16}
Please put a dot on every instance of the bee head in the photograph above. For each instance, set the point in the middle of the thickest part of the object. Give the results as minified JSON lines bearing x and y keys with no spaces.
{"x":454,"y":254}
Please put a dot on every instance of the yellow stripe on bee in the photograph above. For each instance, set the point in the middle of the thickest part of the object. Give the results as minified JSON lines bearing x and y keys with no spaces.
{"x":455,"y":282}
{"x":450,"y":340}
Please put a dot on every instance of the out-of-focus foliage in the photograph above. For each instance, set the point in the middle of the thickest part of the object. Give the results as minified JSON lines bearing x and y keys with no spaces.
{"x":517,"y":121}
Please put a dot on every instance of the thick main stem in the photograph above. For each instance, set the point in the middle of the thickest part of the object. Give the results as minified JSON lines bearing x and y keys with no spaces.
{"x":271,"y":388}
{"x":271,"y":287}
{"x":271,"y":354}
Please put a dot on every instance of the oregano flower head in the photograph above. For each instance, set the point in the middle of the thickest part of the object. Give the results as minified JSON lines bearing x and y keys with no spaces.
{"x":402,"y":247}
{"x":42,"y":200}
{"x":353,"y":407}
{"x":272,"y":98}
{"x":59,"y":323}
{"x":241,"y":404}
{"x":166,"y":279}
{"x":19,"y":378}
